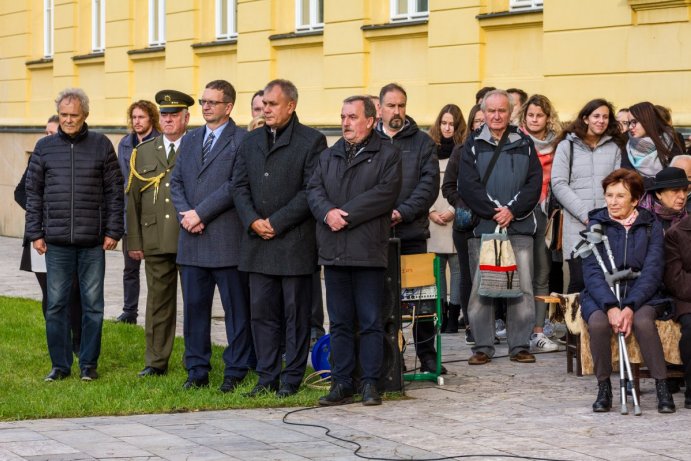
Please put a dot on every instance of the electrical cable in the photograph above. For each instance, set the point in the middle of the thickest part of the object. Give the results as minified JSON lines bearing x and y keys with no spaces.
{"x":356,"y":452}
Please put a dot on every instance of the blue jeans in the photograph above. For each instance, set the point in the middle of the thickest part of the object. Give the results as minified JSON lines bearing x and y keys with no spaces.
{"x":520,"y":312}
{"x":354,"y":298}
{"x":61,"y":264}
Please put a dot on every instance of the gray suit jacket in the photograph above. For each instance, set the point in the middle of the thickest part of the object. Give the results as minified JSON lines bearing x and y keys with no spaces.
{"x":271,"y":183}
{"x":208,"y":190}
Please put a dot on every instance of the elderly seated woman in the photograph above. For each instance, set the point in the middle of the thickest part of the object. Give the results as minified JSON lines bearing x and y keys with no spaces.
{"x":678,"y":283}
{"x":667,"y":196}
{"x":637,"y":243}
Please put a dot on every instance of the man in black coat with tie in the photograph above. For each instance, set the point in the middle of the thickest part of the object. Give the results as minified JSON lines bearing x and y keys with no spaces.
{"x":279,"y":244}
{"x":209,"y":241}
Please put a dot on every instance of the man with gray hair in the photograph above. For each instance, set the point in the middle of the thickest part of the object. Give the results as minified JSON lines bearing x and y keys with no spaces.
{"x":684,"y":162}
{"x":74,"y":211}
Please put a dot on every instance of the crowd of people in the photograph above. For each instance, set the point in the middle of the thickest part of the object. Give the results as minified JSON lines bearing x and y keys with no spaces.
{"x":256,"y":214}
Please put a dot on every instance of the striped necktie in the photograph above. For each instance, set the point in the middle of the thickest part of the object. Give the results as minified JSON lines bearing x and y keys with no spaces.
{"x":207,"y":146}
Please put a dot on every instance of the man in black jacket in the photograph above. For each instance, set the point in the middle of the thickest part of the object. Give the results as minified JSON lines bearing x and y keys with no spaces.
{"x":279,"y":247}
{"x":419,"y":190}
{"x":507,"y":199}
{"x":74,"y":212}
{"x":351,"y":194}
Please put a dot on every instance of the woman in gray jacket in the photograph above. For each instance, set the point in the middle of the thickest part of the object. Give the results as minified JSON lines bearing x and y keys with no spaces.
{"x":590,"y":149}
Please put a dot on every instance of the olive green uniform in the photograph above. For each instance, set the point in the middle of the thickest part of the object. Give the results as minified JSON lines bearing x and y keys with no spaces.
{"x":152,"y":227}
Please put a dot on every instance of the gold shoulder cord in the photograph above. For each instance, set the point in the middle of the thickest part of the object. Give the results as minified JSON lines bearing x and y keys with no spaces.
{"x":154,"y":181}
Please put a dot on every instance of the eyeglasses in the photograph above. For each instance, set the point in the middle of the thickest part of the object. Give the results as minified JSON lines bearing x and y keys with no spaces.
{"x":204,"y":102}
{"x":624,"y":123}
{"x":632,"y":123}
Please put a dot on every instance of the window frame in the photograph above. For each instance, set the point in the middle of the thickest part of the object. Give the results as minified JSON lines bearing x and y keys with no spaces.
{"x":98,"y":25}
{"x":48,"y":28}
{"x":525,"y":5}
{"x":231,"y":20}
{"x":402,"y":17}
{"x":157,"y":37}
{"x":314,"y":24}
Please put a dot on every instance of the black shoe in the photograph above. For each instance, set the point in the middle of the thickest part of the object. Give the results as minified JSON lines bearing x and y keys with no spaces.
{"x":152,"y":371}
{"x":196,"y":383}
{"x":88,"y":374}
{"x":56,"y":374}
{"x":469,"y":338}
{"x":126,"y":317}
{"x":338,"y":395}
{"x":430,"y":366}
{"x":370,"y":395}
{"x":665,"y":402}
{"x":230,"y":383}
{"x":603,"y":402}
{"x":260,"y":389}
{"x":287,"y":390}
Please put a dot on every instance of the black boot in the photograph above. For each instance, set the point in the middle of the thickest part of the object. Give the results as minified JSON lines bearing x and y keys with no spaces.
{"x":444,"y":317}
{"x":603,"y":402}
{"x":454,"y":313}
{"x":665,"y":402}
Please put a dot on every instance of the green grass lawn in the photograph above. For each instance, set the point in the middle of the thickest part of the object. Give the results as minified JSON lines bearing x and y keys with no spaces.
{"x":118,"y":391}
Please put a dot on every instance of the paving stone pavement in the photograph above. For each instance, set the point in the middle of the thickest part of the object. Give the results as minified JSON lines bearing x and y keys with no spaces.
{"x":493,"y":411}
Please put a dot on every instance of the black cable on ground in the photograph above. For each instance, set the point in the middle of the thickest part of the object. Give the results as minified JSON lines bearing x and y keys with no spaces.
{"x":357,"y":453}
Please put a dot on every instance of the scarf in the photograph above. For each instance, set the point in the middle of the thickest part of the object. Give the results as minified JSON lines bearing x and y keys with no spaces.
{"x":545,"y":153}
{"x":643,"y":154}
{"x":352,"y":150}
{"x":626,"y":222}
{"x":444,"y":148}
{"x":668,"y":216}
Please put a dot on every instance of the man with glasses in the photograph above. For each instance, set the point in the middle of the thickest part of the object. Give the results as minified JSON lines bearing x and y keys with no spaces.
{"x":152,"y":229}
{"x":209,"y":242}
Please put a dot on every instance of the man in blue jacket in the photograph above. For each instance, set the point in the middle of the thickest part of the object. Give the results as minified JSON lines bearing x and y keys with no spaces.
{"x":507,"y":200}
{"x":351,"y":194}
{"x":74,"y":211}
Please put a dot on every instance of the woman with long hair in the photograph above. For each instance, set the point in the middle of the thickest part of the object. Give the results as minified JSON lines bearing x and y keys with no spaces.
{"x":447,"y":132}
{"x":588,"y":150}
{"x":652,"y":143}
{"x":476,"y":118}
{"x":538,"y":119}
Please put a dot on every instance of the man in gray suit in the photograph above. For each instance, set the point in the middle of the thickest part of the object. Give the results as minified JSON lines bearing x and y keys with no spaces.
{"x":209,"y":242}
{"x":279,"y":244}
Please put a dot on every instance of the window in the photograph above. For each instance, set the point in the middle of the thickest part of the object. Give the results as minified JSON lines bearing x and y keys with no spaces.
{"x":408,"y":10}
{"x":157,"y":22}
{"x":309,"y":15}
{"x":98,"y":25}
{"x":523,"y":5}
{"x":226,"y":19}
{"x":48,"y":28}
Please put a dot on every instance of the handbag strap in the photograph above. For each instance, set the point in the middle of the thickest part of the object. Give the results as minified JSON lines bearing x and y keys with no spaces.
{"x":570,"y":160}
{"x":495,"y":157}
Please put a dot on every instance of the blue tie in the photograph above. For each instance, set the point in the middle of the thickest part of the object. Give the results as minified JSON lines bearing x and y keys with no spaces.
{"x":206,"y":148}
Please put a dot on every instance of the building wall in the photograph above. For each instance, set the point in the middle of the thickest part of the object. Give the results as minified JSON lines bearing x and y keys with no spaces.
{"x":572,"y":51}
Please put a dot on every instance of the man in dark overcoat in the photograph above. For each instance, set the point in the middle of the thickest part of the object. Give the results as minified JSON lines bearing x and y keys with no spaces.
{"x":278,"y":246}
{"x":152,"y":227}
{"x":209,"y":242}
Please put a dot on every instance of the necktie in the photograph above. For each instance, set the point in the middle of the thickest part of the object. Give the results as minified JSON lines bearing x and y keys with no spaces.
{"x":171,"y":151}
{"x":206,"y":148}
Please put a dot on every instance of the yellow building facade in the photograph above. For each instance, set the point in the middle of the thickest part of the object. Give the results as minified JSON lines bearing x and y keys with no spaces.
{"x":441,"y":51}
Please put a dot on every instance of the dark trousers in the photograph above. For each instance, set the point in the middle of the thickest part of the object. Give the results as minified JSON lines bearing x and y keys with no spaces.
{"x":646,"y":334}
{"x":354,"y":297}
{"x":198,"y":285}
{"x":130,"y":282}
{"x":317,"y":306}
{"x":277,"y":303}
{"x":161,"y":308}
{"x":75,"y":311}
{"x":423,"y":332}
{"x":685,"y":347}
{"x":576,"y":283}
{"x":460,"y":241}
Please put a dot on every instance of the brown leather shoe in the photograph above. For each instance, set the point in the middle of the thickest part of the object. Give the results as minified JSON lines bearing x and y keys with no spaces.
{"x":479,"y":358}
{"x":523,"y":357}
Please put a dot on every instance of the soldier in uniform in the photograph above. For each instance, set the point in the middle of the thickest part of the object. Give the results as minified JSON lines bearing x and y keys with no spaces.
{"x":153,"y":227}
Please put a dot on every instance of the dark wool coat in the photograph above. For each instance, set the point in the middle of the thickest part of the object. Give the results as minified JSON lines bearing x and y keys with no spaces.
{"x":207,"y":189}
{"x":271,"y":182}
{"x":678,"y":265}
{"x":641,"y":249}
{"x":367,"y":190}
{"x":74,"y":193}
